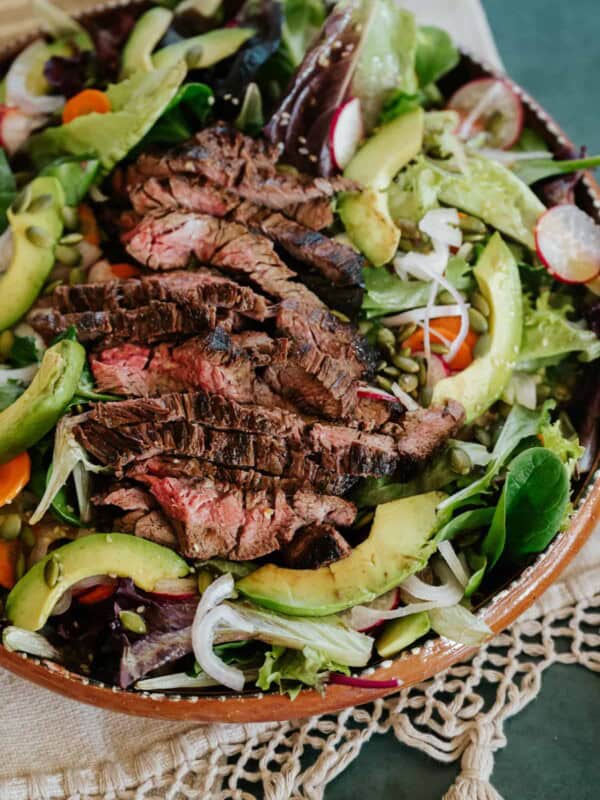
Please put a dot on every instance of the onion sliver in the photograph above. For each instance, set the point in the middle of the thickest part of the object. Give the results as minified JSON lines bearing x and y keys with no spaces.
{"x":448,"y":593}
{"x":17,"y":92}
{"x":441,"y":225}
{"x":373,"y":393}
{"x":420,"y":314}
{"x":448,"y":554}
{"x":407,"y":401}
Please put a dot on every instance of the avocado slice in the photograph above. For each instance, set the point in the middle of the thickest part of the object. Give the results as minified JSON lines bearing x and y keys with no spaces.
{"x":366,"y":215}
{"x":35,"y":232}
{"x":399,"y":634}
{"x":39,"y":408}
{"x":31,"y":601}
{"x":401,"y":541}
{"x":146,"y":34}
{"x":492,"y":192}
{"x":484,"y":380}
{"x":205,"y":50}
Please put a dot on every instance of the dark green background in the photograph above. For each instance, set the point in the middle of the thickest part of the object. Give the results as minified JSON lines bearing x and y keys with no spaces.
{"x":552,"y":48}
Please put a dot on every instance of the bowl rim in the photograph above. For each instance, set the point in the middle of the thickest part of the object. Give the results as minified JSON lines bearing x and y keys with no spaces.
{"x":414,"y":666}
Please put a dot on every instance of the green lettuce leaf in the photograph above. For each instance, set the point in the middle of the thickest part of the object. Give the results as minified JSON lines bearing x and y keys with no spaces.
{"x":549,"y":336}
{"x":290,"y":670}
{"x":302,"y":20}
{"x":414,"y":192}
{"x":436,"y":54}
{"x":387,"y":60}
{"x":8,"y":189}
{"x":75,"y":176}
{"x":137,"y":104}
{"x":189,"y":108}
{"x":567,"y":448}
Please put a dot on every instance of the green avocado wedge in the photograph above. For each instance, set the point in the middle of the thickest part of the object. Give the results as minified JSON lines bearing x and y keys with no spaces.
{"x":399,"y":634}
{"x":31,"y":601}
{"x":39,"y":408}
{"x":146,"y":34}
{"x":201,"y":52}
{"x":492,"y":192}
{"x":365,"y":214}
{"x":482,"y":383}
{"x":401,"y":541}
{"x":36,"y":229}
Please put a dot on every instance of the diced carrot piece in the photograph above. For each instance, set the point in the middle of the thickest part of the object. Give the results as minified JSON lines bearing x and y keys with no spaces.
{"x":124,"y":271}
{"x":14,"y":476}
{"x":88,"y":225}
{"x":96,"y":595}
{"x":10,"y":552}
{"x":90,"y":101}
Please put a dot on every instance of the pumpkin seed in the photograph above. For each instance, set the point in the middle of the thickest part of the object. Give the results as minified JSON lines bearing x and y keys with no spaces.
{"x":53,"y":571}
{"x":10,"y":526}
{"x":50,"y":287}
{"x":38,"y":236}
{"x":383,"y":383}
{"x":27,"y":537}
{"x":482,"y":436}
{"x":205,"y":578}
{"x":22,"y":200}
{"x":70,"y":218}
{"x":479,"y":302}
{"x":194,"y":56}
{"x":69,"y":256}
{"x":460,"y":461}
{"x":381,"y":365}
{"x":363,"y":519}
{"x":40,"y":203}
{"x":477,"y":321}
{"x":340,"y":315}
{"x":471,"y":224}
{"x":562,"y":393}
{"x":72,"y":238}
{"x":445,"y":298}
{"x":407,"y":331}
{"x":408,"y":383}
{"x":132,"y":621}
{"x":393,"y":372}
{"x":407,"y":364}
{"x":466,"y":251}
{"x":77,"y":275}
{"x":474,"y":237}
{"x":386,"y":339}
{"x":422,"y":373}
{"x":439,"y":349}
{"x":365,"y":326}
{"x":7,"y":339}
{"x":404,"y":351}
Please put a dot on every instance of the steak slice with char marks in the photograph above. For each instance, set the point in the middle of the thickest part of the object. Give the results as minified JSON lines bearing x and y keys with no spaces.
{"x":154,"y":322}
{"x":221,"y":520}
{"x":315,"y":546}
{"x":243,"y":165}
{"x":218,"y":363}
{"x":196,"y":289}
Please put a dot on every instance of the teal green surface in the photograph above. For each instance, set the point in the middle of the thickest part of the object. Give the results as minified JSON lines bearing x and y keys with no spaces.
{"x":552,"y":49}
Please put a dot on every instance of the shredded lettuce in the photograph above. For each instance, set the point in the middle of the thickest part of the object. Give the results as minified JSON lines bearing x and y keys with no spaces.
{"x":8,"y":189}
{"x":302,"y":20}
{"x":567,"y":448}
{"x":549,"y":336}
{"x":290,"y":670}
{"x":436,"y":54}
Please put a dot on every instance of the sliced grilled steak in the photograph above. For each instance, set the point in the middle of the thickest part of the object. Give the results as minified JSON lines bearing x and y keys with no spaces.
{"x":154,"y":322}
{"x":196,"y":289}
{"x":225,"y":521}
{"x":247,"y":167}
{"x":314,"y":477}
{"x":218,"y":363}
{"x":151,"y":525}
{"x":315,"y":546}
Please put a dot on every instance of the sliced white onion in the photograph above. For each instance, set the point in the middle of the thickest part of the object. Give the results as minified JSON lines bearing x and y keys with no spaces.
{"x":22,"y":375}
{"x":447,"y":552}
{"x":98,"y":195}
{"x":409,"y":403}
{"x":441,"y":225}
{"x":62,"y":604}
{"x":447,"y":593}
{"x":510,"y":157}
{"x":181,"y":680}
{"x":420,"y":314}
{"x":522,"y":389}
{"x":6,"y":250}
{"x":210,"y":617}
{"x":423,"y":265}
{"x":17,"y":92}
{"x":479,"y":109}
{"x":177,"y":587}
{"x":459,"y":624}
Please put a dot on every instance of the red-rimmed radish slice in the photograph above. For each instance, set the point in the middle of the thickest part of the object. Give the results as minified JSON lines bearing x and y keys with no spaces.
{"x":373,"y":393}
{"x":490,"y":105}
{"x":437,"y":369}
{"x":568,"y":244}
{"x":176,"y":589}
{"x":15,"y":128}
{"x":345,"y":132}
{"x":387,"y":602}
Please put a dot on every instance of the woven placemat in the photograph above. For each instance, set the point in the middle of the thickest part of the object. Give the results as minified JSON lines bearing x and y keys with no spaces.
{"x":17,"y":19}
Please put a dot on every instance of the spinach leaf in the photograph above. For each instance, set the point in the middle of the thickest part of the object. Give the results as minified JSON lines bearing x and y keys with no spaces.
{"x":532,"y":507}
{"x":9,"y":392}
{"x":467,"y":521}
{"x":8,"y":189}
{"x":185,"y":113}
{"x":436,"y":54}
{"x":23,"y":352}
{"x":478,"y":564}
{"x":538,"y":169}
{"x":400,"y":103}
{"x":521,"y":424}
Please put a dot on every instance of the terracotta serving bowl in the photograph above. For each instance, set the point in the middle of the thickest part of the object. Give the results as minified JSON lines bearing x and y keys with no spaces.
{"x":436,"y":654}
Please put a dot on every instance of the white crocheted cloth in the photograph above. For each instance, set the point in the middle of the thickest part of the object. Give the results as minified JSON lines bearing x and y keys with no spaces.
{"x":82,"y":753}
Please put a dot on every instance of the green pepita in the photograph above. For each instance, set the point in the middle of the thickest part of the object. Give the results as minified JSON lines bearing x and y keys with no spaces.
{"x":364,"y":326}
{"x":72,"y":238}
{"x":479,"y":302}
{"x":383,"y":383}
{"x":53,"y":571}
{"x":482,"y":436}
{"x":7,"y":339}
{"x":69,"y":256}
{"x":471,"y":224}
{"x":27,"y":537}
{"x":439,"y":349}
{"x":386,"y":339}
{"x":381,"y":365}
{"x":562,"y":393}
{"x":40,"y":203}
{"x":205,"y":578}
{"x":22,"y":200}
{"x":132,"y":621}
{"x":460,"y":461}
{"x":77,"y":275}
{"x":38,"y":236}
{"x":477,"y":321}
{"x":407,"y":364}
{"x":422,"y":373}
{"x":70,"y":218}
{"x":10,"y":526}
{"x":445,"y":298}
{"x":393,"y":372}
{"x":50,"y":287}
{"x":408,"y":383}
{"x":407,"y":331}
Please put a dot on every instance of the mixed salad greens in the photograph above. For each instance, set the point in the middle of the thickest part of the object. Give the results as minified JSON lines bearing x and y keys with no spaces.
{"x":482,"y":287}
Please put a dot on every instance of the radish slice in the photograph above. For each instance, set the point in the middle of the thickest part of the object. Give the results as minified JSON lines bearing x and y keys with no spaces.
{"x":176,"y":589}
{"x":346,"y":132}
{"x":18,"y":92}
{"x":16,"y":128}
{"x":386,"y":602}
{"x":373,"y":393}
{"x":437,"y":369}
{"x":593,"y":286}
{"x":568,"y":244}
{"x":489,"y":105}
